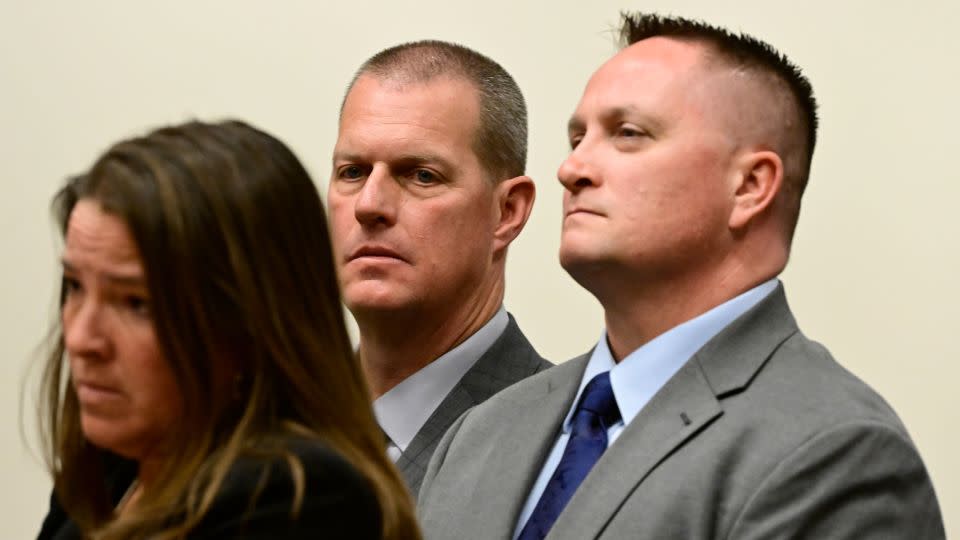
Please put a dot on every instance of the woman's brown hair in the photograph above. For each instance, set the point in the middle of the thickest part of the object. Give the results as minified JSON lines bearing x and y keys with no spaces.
{"x":234,"y":244}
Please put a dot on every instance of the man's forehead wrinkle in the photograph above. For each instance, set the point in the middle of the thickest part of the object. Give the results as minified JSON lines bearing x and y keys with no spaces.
{"x":366,"y":135}
{"x":404,"y":149}
{"x":364,"y":128}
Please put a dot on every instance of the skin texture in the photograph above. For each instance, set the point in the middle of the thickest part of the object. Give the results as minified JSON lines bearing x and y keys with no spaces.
{"x":126,"y":390}
{"x":420,"y":230}
{"x":666,"y":200}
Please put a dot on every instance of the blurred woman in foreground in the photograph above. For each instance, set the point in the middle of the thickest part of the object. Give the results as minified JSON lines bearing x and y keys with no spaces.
{"x":201,"y":382}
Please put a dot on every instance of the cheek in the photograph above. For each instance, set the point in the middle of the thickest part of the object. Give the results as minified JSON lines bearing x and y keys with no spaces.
{"x":152,"y":385}
{"x":340,"y":220}
{"x":458,"y":239}
{"x":447,"y":224}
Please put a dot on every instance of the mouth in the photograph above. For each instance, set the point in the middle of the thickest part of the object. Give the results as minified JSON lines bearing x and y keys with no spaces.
{"x":90,"y":391}
{"x":380,"y":252}
{"x":582,"y":211}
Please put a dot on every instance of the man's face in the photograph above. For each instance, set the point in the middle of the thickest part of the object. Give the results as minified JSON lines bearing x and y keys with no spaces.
{"x":412,"y":210}
{"x":647,"y":180}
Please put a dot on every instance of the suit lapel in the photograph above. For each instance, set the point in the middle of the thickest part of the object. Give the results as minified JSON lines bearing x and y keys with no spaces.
{"x":532,"y":429}
{"x":683,"y":409}
{"x":510,"y":359}
{"x":733,"y":358}
{"x":414,"y":460}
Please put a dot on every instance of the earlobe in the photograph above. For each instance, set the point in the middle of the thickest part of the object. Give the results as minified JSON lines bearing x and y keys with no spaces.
{"x":759,"y":181}
{"x":515,"y":199}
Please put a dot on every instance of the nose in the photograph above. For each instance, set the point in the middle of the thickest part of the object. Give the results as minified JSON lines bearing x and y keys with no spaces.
{"x":576,"y":172}
{"x":376,"y":205}
{"x":83,"y":331}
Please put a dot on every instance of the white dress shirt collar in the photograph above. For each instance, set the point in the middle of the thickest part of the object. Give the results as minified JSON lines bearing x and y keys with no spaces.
{"x":406,"y":407}
{"x":641,"y":374}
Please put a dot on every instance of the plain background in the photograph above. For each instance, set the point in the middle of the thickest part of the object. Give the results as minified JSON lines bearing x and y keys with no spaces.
{"x":874,"y":265}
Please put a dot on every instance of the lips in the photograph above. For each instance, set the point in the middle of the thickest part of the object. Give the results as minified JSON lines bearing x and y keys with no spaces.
{"x":89,"y":391}
{"x":374,"y":251}
{"x":581,"y":210}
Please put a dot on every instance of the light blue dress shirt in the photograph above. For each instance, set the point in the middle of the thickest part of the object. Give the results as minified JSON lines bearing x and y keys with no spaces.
{"x":642,"y":373}
{"x":406,"y":407}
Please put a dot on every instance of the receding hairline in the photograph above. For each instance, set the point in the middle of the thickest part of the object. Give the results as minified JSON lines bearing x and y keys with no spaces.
{"x":396,"y":83}
{"x":402,"y":67}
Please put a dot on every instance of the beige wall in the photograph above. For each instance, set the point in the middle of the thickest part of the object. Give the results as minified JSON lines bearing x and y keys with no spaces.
{"x":875,"y":266}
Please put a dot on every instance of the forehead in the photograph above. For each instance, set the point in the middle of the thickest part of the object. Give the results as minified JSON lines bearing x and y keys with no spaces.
{"x":381,"y":114}
{"x":655,"y":73}
{"x":94,"y":235}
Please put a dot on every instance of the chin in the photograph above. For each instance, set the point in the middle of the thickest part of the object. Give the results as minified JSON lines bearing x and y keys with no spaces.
{"x":588,"y":263}
{"x":574,"y":254}
{"x":363,"y":299}
{"x":108,"y":436}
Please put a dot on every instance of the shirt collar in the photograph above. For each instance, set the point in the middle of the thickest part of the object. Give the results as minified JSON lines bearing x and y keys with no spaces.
{"x":644,"y":371}
{"x":406,"y":407}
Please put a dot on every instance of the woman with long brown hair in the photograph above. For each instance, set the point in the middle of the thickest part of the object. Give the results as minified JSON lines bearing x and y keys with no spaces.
{"x":201,"y":383}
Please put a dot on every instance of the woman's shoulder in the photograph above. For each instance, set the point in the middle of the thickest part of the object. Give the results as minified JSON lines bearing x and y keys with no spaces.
{"x":259,"y":496}
{"x":277,"y":465}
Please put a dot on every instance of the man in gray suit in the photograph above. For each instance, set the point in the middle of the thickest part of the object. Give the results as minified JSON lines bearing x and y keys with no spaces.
{"x":703,"y":412}
{"x":427,"y":192}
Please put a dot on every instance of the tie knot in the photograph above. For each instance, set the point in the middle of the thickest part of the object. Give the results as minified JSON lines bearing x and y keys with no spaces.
{"x":598,"y":399}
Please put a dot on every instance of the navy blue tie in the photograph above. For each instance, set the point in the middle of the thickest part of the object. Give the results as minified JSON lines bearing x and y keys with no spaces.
{"x":595,"y":413}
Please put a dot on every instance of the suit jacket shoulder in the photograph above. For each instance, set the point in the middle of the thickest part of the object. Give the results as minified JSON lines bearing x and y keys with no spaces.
{"x":511,"y":358}
{"x":760,"y":435}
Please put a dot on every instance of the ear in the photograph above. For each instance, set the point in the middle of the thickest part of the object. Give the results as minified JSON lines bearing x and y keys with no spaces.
{"x":514,"y":199}
{"x":759,"y":178}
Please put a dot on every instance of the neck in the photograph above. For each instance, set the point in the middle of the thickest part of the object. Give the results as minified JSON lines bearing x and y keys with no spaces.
{"x":397,"y":344}
{"x":638,"y":310}
{"x":148,"y":469}
{"x":147,"y":472}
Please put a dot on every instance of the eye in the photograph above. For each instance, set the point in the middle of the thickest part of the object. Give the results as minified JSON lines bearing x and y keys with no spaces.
{"x":71,"y":285}
{"x":629,"y":132}
{"x":425,"y":177}
{"x":350,"y":172}
{"x":137,"y":304}
{"x":575,"y":141}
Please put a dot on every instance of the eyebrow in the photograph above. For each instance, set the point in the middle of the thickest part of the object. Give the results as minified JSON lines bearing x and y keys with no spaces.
{"x":412,"y":159}
{"x":345,"y":156}
{"x":119,"y":279}
{"x":576,"y":124}
{"x":405,"y":159}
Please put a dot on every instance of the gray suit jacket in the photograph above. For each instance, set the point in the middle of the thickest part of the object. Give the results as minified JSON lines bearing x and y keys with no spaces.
{"x":760,"y":435}
{"x":510,"y":359}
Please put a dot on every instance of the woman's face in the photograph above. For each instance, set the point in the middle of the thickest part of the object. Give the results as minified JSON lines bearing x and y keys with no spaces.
{"x":126,"y":390}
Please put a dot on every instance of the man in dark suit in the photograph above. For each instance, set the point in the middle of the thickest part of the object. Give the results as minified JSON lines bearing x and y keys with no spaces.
{"x":703,"y":412}
{"x":427,"y":192}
